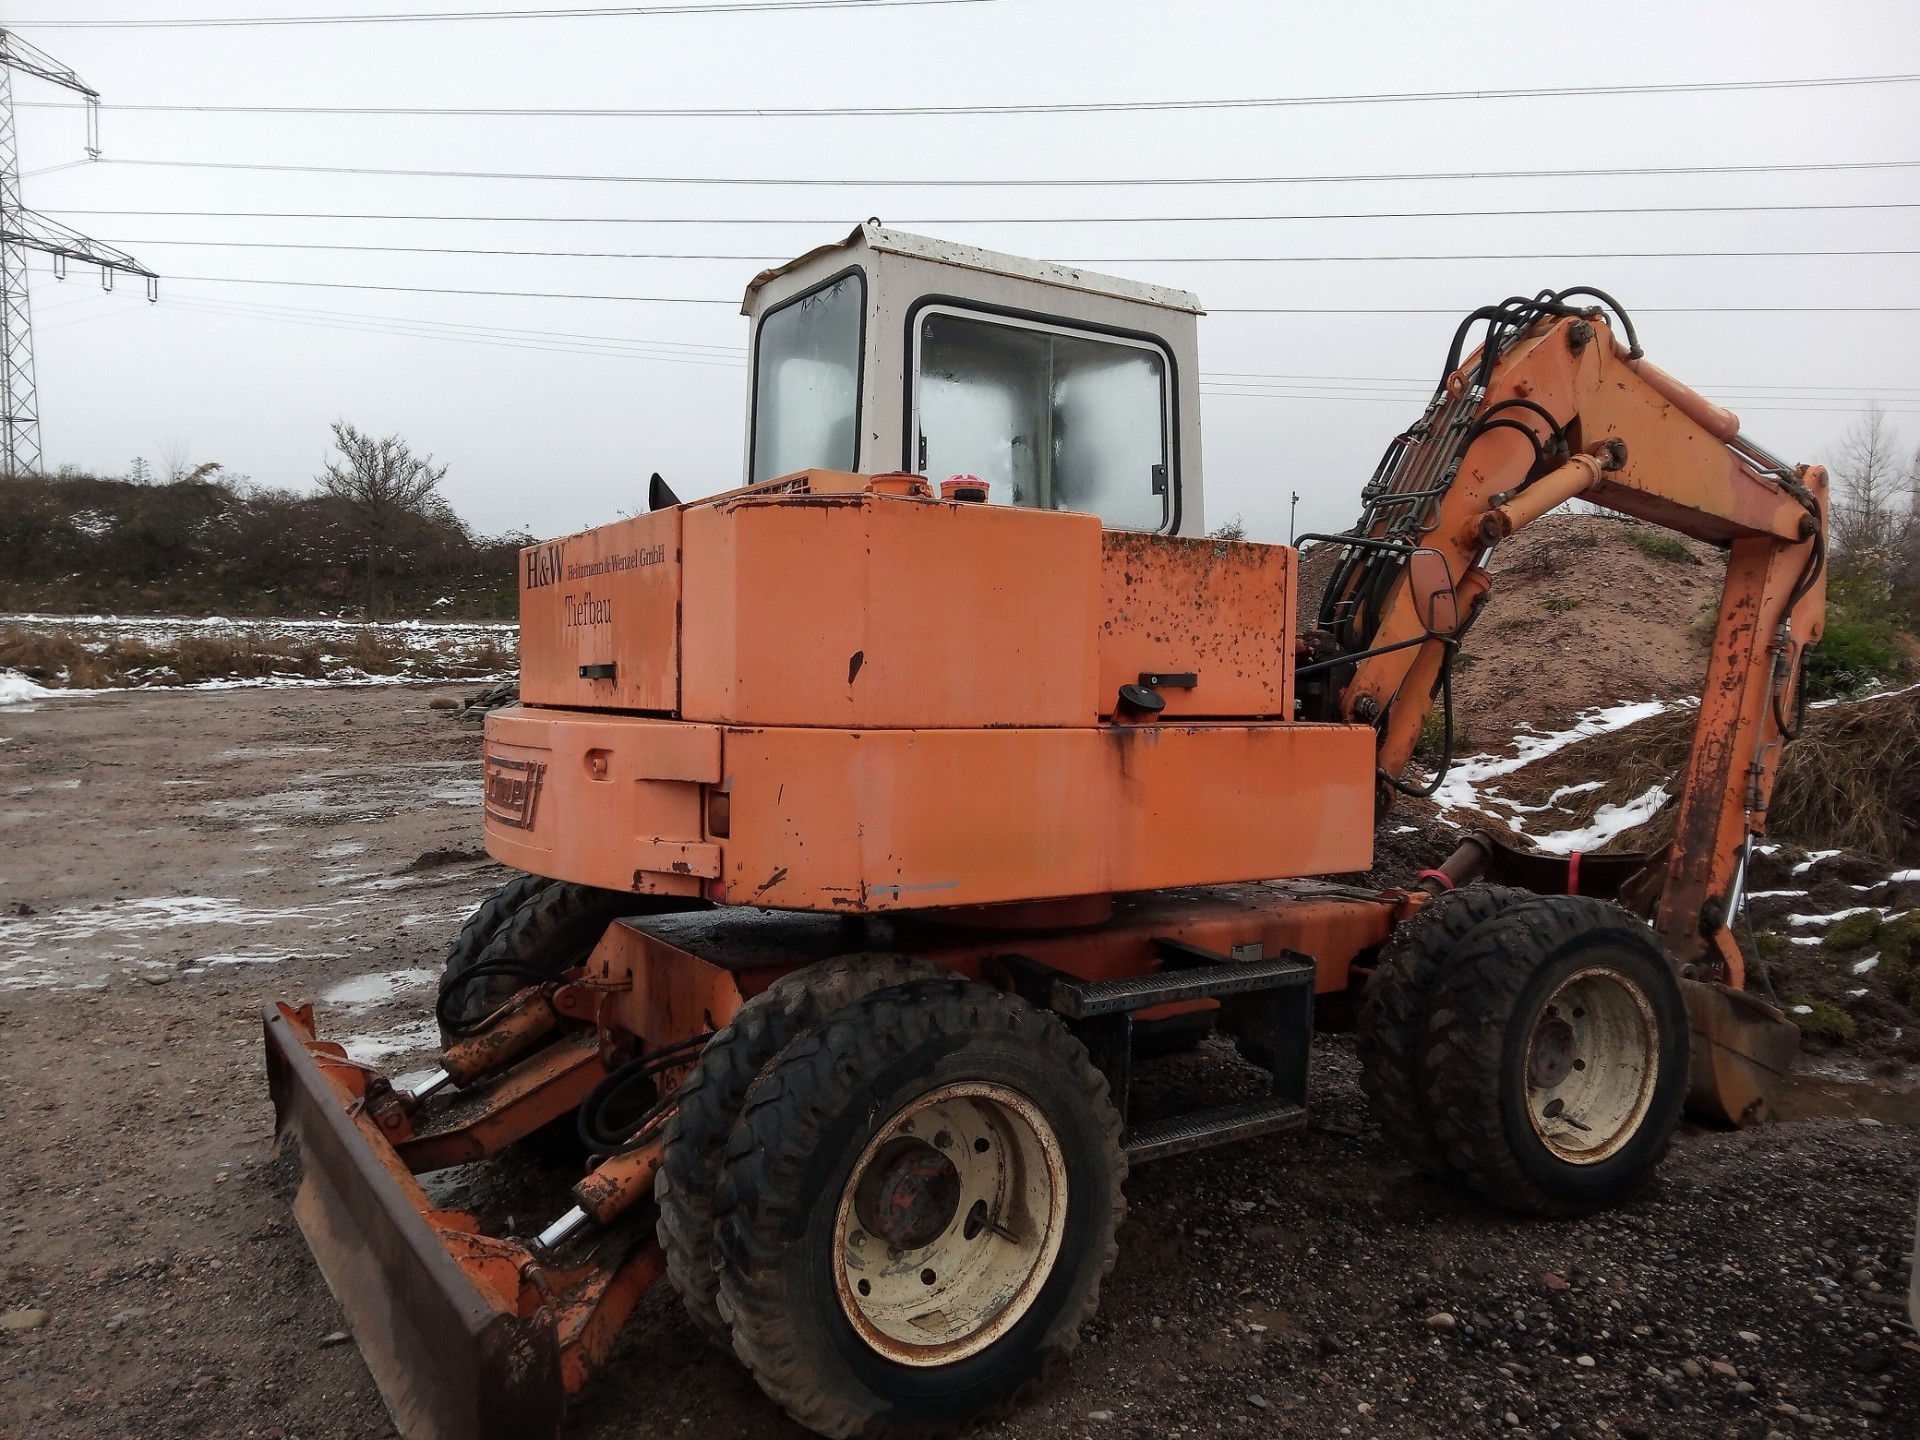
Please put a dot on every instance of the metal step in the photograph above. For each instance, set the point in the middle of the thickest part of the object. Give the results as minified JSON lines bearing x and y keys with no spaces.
{"x":1200,"y":1129}
{"x":1084,"y":999}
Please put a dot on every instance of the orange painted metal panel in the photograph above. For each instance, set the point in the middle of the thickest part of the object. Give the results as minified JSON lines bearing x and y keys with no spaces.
{"x":607,"y":597}
{"x":1221,"y":611}
{"x":885,"y":820}
{"x":662,"y":994}
{"x":855,"y":820}
{"x":875,"y":611}
{"x":610,"y":800}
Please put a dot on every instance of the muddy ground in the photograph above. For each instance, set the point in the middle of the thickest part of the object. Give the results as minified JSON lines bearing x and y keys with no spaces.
{"x":168,"y":862}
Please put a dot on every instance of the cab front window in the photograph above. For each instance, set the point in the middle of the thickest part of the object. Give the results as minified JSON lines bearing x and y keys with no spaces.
{"x":806,"y":381}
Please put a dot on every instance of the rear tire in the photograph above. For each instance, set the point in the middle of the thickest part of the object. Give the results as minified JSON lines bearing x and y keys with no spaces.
{"x":1393,"y":1017}
{"x":829,"y":1185}
{"x":711,"y":1098}
{"x":485,"y":923}
{"x":553,"y":928}
{"x":1557,"y":1055}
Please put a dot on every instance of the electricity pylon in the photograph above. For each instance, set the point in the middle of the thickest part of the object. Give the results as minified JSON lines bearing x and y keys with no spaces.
{"x":22,"y":230}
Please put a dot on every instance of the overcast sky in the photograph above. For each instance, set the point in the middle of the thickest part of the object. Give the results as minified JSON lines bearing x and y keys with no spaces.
{"x":551,"y":412}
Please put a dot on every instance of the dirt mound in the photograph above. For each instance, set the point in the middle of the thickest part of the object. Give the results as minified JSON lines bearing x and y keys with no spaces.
{"x":1586,"y":610}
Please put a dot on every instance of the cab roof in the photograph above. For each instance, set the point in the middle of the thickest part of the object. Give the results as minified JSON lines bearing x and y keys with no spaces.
{"x":875,"y":237}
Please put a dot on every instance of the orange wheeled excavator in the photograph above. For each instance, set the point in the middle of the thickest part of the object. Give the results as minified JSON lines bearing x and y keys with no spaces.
{"x":874,"y":819}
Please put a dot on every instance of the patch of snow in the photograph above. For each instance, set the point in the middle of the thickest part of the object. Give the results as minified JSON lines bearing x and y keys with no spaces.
{"x":1861,"y":967}
{"x":1856,"y":994}
{"x":1565,"y":790}
{"x":1608,"y":821}
{"x":1856,"y":699}
{"x":1772,"y":894}
{"x":1814,"y":857}
{"x":248,"y":955}
{"x":16,"y":689}
{"x":1829,"y":919}
{"x":1902,"y":877}
{"x":1461,"y":787}
{"x":1803,"y":939}
{"x":1803,"y":1009}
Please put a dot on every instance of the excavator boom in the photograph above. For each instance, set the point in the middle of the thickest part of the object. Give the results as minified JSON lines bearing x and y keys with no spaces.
{"x":1556,"y":406}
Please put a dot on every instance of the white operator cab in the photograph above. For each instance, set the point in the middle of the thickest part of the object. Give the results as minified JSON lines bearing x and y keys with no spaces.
{"x":1060,"y":389}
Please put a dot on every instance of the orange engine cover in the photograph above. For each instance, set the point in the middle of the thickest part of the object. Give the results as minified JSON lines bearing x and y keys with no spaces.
{"x":811,"y":696}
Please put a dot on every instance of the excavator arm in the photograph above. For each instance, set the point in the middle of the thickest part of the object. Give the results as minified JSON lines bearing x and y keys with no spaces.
{"x":1556,"y":404}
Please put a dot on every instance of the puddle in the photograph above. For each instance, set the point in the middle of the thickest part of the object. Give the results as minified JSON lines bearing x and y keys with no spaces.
{"x":365,"y":991}
{"x":72,"y":947}
{"x":1830,"y":1091}
{"x":417,"y":1037}
{"x":354,"y":792}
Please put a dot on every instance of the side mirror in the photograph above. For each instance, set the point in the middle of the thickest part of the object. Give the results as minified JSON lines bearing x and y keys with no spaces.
{"x":1431,"y":585}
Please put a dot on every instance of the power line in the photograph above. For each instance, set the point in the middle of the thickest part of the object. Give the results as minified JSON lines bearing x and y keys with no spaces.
{"x":572,"y":12}
{"x":1424,"y":385}
{"x":836,"y":220}
{"x":448,"y":290}
{"x":1063,"y":183}
{"x":1877,"y":309}
{"x":1637,"y":310}
{"x":695,"y":349}
{"x":1403,"y":390}
{"x":1077,"y":259}
{"x":1397,"y":400}
{"x":1087,"y":107}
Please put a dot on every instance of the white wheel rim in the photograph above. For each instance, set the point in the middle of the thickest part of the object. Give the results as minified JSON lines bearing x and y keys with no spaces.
{"x":1592,"y":1061}
{"x":950,"y":1224}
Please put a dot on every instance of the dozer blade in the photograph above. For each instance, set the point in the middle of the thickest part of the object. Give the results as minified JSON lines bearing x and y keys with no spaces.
{"x":1742,"y":1050}
{"x":453,"y":1361}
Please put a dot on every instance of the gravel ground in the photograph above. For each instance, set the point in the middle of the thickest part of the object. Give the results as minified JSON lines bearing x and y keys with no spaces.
{"x":173,"y":860}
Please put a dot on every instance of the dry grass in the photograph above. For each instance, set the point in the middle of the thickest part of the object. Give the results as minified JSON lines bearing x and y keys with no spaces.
{"x":1851,"y":781}
{"x":63,"y":657}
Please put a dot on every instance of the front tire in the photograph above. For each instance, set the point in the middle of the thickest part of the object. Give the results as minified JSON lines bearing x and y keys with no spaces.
{"x":710,"y":1099}
{"x":1393,"y":1018}
{"x":921,"y":1200}
{"x":1557,"y":1055}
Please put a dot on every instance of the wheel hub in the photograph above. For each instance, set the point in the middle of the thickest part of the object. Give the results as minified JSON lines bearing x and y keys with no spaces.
{"x":1555,"y":1049}
{"x":950,"y":1223}
{"x":914,"y":1196}
{"x":1591,"y":1064}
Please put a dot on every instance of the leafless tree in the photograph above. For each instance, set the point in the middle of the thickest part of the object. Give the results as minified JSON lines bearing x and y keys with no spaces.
{"x":1876,"y":492}
{"x":385,"y":487}
{"x":1234,"y":529}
